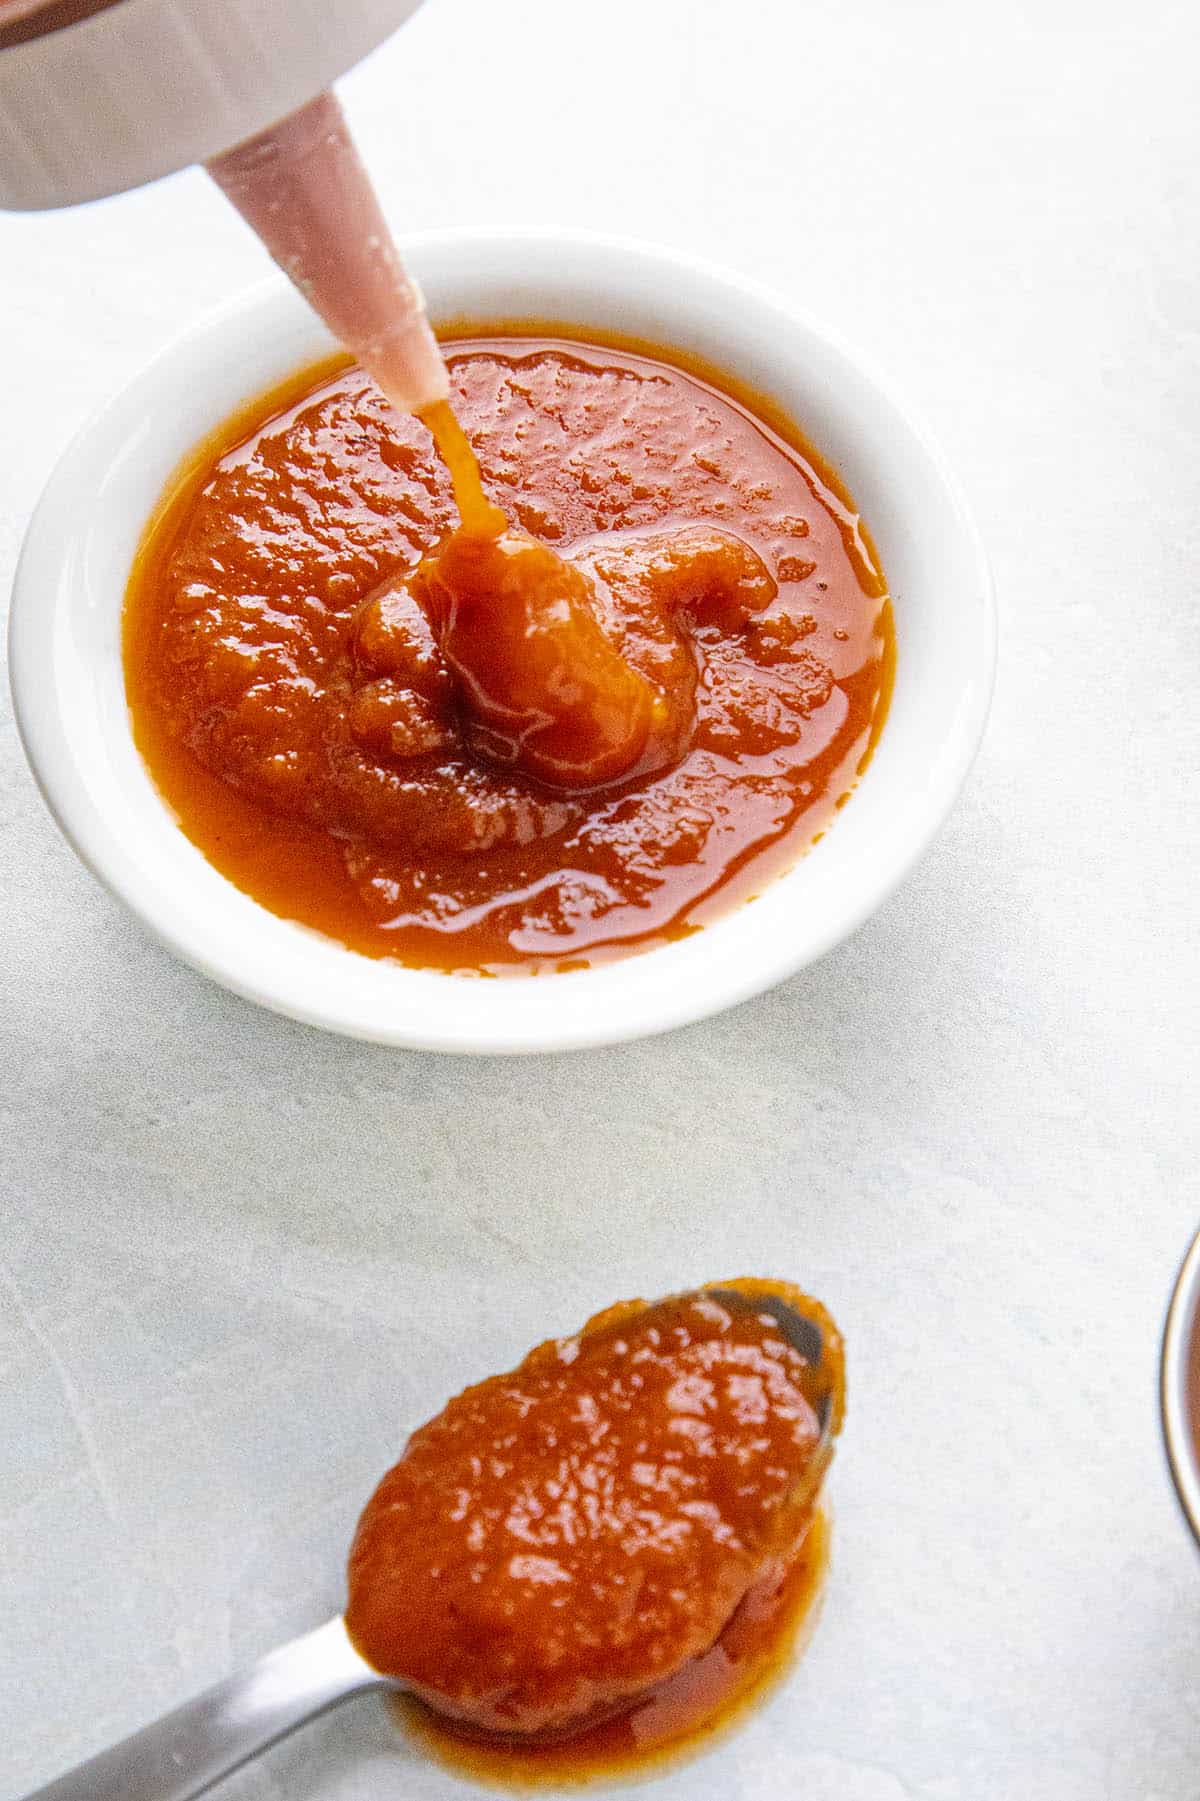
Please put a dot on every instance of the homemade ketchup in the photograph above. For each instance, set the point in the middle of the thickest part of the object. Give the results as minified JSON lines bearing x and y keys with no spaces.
{"x":577,"y":709}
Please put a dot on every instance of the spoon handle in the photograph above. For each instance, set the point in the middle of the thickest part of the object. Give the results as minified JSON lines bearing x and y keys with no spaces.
{"x":188,"y":1750}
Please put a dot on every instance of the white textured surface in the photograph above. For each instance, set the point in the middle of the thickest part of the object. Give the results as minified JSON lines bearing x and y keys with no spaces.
{"x":241,"y":1259}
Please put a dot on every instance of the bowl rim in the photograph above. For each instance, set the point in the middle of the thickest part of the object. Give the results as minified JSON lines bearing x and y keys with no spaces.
{"x":31,"y":648}
{"x":1180,"y":1331}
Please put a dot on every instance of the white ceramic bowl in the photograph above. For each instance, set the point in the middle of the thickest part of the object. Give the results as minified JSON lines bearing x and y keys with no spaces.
{"x":69,"y":692}
{"x":1180,"y":1386}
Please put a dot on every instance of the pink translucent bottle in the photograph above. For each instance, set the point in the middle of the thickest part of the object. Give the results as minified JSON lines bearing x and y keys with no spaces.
{"x":101,"y":95}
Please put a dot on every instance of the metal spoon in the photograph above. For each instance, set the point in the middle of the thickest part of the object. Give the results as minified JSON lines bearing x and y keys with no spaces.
{"x":188,"y":1750}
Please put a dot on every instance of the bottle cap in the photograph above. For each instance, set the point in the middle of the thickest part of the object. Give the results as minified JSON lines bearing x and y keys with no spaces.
{"x":101,"y":95}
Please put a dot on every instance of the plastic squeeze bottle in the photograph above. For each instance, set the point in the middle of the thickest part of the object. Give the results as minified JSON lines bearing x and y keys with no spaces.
{"x":97,"y":96}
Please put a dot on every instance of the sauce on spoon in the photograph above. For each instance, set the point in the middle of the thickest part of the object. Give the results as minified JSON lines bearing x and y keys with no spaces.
{"x":617,"y":1530}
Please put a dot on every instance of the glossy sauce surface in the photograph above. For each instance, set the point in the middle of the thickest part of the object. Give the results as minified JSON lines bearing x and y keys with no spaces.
{"x":353,"y":736}
{"x":563,"y":1540}
{"x":683,"y":1716}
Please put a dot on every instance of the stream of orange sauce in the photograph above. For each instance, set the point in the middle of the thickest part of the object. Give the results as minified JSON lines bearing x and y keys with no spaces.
{"x":478,"y":515}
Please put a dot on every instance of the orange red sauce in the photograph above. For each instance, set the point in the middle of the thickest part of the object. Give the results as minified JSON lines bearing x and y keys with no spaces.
{"x":688,"y":1713}
{"x":607,"y":1544}
{"x":583,"y":736}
